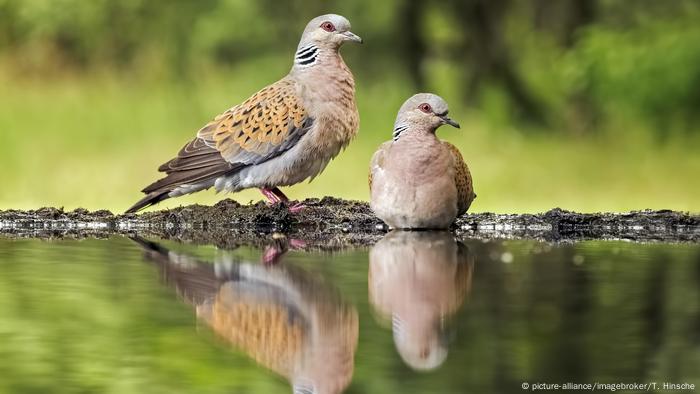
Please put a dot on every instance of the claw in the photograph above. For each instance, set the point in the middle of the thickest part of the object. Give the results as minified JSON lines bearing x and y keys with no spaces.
{"x":296,"y":208}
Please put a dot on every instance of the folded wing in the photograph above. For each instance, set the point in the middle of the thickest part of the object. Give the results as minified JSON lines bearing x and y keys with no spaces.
{"x":265,"y":126}
{"x":463,"y":180}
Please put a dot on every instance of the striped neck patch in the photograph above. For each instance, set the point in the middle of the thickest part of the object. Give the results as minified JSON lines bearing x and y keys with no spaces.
{"x":306,"y":56}
{"x":397,"y":131}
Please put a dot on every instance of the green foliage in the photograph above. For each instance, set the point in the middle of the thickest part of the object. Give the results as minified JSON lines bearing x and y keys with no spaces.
{"x":649,"y":72}
{"x":633,"y":60}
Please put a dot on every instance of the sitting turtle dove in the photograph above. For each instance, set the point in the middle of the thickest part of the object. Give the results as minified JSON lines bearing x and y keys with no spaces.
{"x":417,"y":180}
{"x":283,"y":134}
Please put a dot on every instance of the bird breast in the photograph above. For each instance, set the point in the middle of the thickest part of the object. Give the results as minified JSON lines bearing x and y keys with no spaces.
{"x":416,"y":187}
{"x":425,"y":160}
{"x":328,"y":94}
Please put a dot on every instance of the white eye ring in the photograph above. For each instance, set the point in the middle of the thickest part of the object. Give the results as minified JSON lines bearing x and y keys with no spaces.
{"x":328,"y":26}
{"x":425,"y":107}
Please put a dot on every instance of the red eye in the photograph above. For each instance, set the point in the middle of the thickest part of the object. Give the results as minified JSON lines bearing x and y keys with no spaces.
{"x":327,"y":26}
{"x":425,"y":107}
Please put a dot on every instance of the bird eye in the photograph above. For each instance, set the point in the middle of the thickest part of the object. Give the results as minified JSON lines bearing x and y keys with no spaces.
{"x":327,"y":26}
{"x":425,"y":107}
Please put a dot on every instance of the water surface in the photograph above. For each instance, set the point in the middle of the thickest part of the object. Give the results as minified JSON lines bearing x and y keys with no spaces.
{"x":416,"y":313}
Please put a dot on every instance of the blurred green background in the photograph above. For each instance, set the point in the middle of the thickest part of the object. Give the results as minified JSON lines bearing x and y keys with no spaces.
{"x":584,"y":104}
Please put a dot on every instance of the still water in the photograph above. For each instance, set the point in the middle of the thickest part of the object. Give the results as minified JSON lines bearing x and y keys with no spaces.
{"x":416,"y":313}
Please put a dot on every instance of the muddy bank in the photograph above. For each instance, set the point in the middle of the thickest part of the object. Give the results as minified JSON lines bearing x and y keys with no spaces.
{"x":331,"y":223}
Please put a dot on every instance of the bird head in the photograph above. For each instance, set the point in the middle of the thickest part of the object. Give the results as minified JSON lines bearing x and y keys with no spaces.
{"x":328,"y":31}
{"x":419,"y":342}
{"x":423,"y":111}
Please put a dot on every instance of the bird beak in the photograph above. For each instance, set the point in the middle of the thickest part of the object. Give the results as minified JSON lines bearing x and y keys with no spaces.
{"x":350,"y":36}
{"x":447,"y":120}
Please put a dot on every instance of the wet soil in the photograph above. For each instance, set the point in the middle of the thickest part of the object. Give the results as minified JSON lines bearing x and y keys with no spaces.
{"x":332,"y":224}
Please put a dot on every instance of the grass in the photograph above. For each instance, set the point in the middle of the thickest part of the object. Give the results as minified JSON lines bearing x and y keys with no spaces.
{"x":94,"y":141}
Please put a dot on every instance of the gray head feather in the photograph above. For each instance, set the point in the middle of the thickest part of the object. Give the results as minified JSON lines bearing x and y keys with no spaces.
{"x":422,"y":112}
{"x":314,"y":33}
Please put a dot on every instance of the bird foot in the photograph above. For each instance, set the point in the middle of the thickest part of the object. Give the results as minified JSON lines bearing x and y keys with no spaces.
{"x":275,"y":196}
{"x":272,"y":197}
{"x":296,"y":243}
{"x":274,"y":252}
{"x":297,"y":207}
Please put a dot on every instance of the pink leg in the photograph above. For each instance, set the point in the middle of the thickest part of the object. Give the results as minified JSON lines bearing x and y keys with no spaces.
{"x":270,"y":195}
{"x":277,"y":192}
{"x":296,"y":243}
{"x":272,"y":254}
{"x":275,"y":196}
{"x":297,"y":207}
{"x":274,"y":251}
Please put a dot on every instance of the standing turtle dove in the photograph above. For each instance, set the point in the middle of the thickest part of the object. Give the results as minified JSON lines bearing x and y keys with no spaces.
{"x":417,"y":180}
{"x":283,"y":134}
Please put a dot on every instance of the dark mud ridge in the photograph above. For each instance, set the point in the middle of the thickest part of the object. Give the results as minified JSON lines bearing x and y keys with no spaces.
{"x":332,"y":223}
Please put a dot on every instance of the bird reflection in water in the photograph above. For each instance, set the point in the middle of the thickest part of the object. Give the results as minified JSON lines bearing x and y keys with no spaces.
{"x":417,"y":280}
{"x":286,"y":319}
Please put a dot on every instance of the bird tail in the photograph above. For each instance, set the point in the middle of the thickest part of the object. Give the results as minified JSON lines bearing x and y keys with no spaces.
{"x":150,"y":199}
{"x":196,"y":167}
{"x":175,"y":185}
